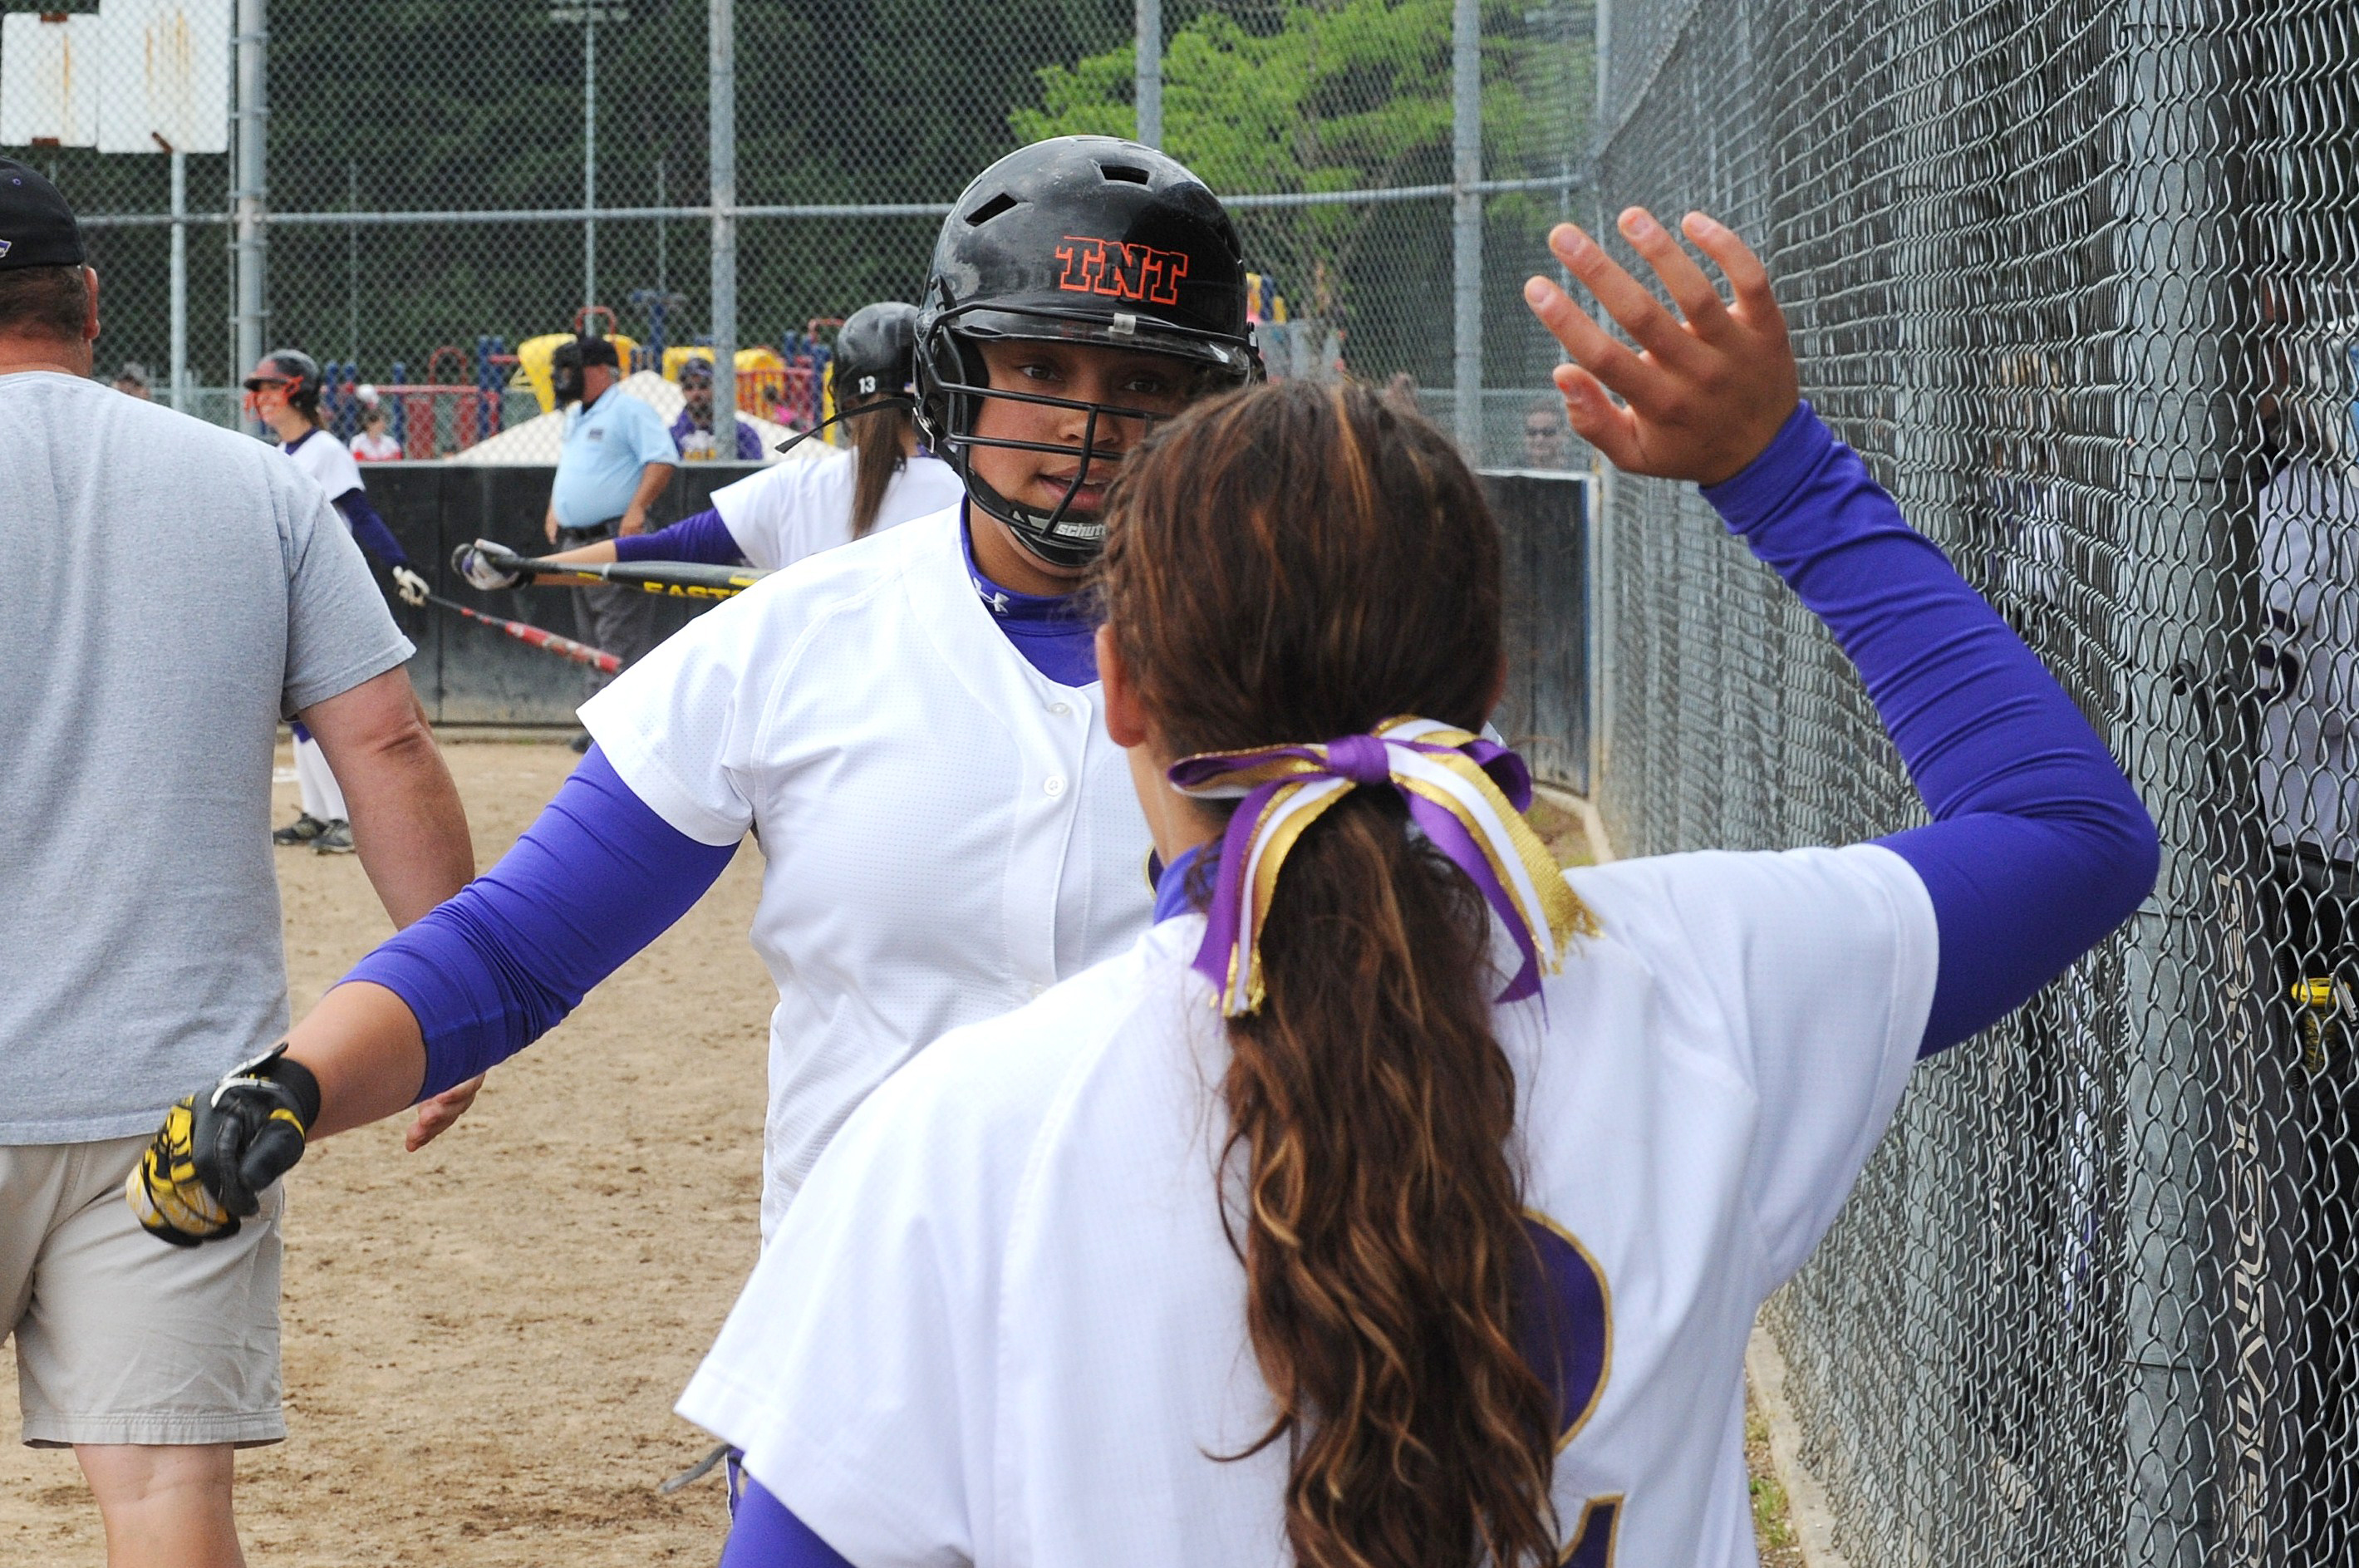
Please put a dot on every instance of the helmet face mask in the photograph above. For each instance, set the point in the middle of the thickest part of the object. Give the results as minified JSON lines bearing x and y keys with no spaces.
{"x":1091,"y":244}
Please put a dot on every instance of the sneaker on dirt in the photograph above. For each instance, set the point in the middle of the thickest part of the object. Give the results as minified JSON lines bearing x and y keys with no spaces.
{"x":303,"y":830}
{"x":336,"y":838}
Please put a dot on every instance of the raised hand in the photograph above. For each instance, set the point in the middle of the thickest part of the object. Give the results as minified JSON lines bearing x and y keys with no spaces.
{"x":1699,"y":398}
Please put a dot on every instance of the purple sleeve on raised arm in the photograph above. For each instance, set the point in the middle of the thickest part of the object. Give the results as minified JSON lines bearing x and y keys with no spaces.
{"x":703,"y":537}
{"x":765,"y":1534}
{"x":2039,"y":848}
{"x":597,"y":877}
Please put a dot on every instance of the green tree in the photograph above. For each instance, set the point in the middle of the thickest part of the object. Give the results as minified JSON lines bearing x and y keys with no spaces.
{"x":1335,"y":95}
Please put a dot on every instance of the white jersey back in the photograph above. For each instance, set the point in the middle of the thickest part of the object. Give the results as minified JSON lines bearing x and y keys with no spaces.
{"x":790,"y":510}
{"x":1005,"y":1324}
{"x":948,"y":831}
{"x":2309,"y":674}
{"x":329,"y":462}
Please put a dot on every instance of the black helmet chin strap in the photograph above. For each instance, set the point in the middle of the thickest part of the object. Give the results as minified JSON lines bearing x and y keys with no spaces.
{"x":1035,"y":530}
{"x":874,"y":405}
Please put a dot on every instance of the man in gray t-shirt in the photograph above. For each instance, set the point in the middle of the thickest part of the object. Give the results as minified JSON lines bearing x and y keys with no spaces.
{"x":174,"y":591}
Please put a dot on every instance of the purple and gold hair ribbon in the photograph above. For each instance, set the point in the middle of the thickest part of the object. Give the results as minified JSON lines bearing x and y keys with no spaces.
{"x":1466,"y":794}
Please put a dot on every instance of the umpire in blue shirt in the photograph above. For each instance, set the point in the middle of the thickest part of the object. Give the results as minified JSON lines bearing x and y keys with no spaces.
{"x":617,"y":458}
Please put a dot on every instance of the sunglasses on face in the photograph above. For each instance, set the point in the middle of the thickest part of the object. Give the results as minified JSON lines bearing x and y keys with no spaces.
{"x":259,"y":382}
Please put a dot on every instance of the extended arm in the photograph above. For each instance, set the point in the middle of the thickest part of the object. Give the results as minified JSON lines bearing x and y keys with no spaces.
{"x":408,"y":822}
{"x":2039,"y":847}
{"x":596,"y":879}
{"x":703,"y":537}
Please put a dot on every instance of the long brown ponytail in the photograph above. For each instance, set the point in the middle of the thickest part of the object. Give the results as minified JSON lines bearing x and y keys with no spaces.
{"x":1297,"y":563}
{"x":880,"y":438}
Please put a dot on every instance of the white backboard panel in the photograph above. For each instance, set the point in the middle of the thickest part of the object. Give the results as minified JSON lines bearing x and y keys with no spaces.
{"x":164,"y":73}
{"x":48,"y":79}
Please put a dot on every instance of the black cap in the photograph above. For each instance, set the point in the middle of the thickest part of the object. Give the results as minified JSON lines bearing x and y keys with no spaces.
{"x":598,"y":351}
{"x":37,"y":227}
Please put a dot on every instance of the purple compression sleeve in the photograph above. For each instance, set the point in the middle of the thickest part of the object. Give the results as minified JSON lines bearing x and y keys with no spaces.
{"x":765,"y":1534}
{"x":2039,"y":847}
{"x":369,"y":530}
{"x":596,"y":879}
{"x":703,"y":537}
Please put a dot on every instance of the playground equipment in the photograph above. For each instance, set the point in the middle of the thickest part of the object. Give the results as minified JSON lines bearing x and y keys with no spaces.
{"x":460,"y":402}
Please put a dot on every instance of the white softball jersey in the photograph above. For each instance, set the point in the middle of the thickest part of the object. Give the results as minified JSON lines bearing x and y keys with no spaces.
{"x":790,"y":510}
{"x":2308,"y":656}
{"x":946,"y":832}
{"x":329,"y":462}
{"x":1004,"y":1325}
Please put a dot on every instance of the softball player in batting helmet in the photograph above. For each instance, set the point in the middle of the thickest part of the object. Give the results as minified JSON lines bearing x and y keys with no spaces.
{"x":775,"y":517}
{"x":284,"y":394}
{"x":1398,"y":1201}
{"x":912,"y":722}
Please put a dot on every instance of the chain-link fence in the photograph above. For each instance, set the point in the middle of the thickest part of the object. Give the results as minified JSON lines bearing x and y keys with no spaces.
{"x":415,"y":193}
{"x":2081,"y":280}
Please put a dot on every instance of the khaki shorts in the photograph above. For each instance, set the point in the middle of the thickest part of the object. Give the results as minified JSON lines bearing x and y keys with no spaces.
{"x":121,"y":1338}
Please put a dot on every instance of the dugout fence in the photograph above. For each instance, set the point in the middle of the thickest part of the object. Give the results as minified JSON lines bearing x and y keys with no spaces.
{"x":2081,"y":281}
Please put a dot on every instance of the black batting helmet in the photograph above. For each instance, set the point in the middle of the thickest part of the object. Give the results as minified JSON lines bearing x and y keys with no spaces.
{"x":1079,"y":239}
{"x":298,"y":370}
{"x":875,"y":351}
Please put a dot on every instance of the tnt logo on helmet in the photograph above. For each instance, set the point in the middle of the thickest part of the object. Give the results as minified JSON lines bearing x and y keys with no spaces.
{"x":1122,"y":271}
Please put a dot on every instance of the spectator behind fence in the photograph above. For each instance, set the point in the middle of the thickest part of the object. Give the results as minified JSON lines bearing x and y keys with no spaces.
{"x":691,"y":433}
{"x":615,"y":460}
{"x":374,"y":444}
{"x":132,"y":381}
{"x":1547,"y":443}
{"x":139,"y":913}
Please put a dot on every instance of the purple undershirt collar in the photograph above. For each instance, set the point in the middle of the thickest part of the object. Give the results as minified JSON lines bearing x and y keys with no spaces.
{"x":1055,"y":633}
{"x":1171,"y":882}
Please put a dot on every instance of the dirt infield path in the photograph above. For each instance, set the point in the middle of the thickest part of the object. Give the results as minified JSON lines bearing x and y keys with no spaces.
{"x":483,"y":1340}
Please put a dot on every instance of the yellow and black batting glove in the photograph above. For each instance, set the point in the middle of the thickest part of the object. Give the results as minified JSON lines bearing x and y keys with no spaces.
{"x":217,"y":1152}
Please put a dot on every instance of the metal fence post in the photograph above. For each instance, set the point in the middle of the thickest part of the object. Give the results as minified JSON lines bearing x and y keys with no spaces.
{"x":2175,"y":244}
{"x":177,"y":371}
{"x":250,"y":194}
{"x":723,"y":154}
{"x":590,"y":158}
{"x":1148,"y":87}
{"x":1466,"y":174}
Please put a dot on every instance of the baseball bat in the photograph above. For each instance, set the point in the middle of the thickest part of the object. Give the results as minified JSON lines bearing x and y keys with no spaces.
{"x":563,"y":647}
{"x":673,"y":579}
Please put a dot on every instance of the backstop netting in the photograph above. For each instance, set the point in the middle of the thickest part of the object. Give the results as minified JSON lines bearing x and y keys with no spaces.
{"x":2081,"y":281}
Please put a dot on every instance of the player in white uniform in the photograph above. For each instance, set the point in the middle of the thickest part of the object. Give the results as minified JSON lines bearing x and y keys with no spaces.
{"x":1335,"y":1223}
{"x":284,"y":394}
{"x":790,"y":510}
{"x":912,"y":722}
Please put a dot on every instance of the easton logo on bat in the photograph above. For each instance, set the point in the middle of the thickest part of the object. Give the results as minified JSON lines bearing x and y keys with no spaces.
{"x":695,"y":590}
{"x":1121,"y":271}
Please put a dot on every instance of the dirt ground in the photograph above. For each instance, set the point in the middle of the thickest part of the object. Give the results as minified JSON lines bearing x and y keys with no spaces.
{"x":484,"y":1339}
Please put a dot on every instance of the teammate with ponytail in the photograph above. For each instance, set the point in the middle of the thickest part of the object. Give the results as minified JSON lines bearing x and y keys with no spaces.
{"x":1399,"y":1202}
